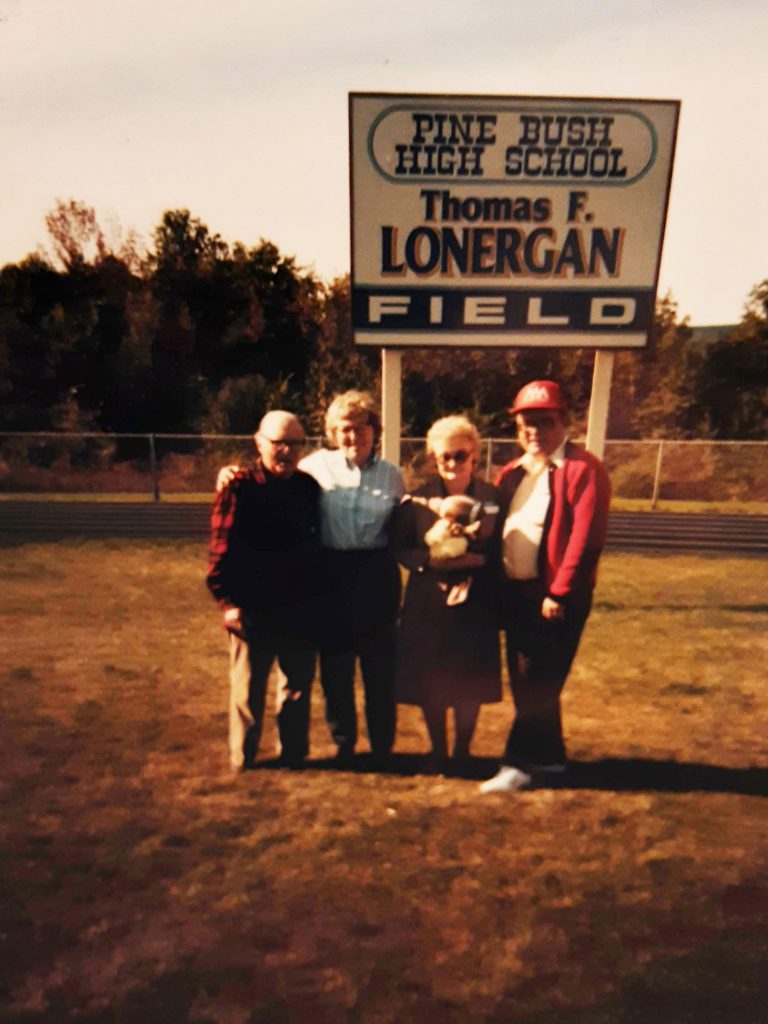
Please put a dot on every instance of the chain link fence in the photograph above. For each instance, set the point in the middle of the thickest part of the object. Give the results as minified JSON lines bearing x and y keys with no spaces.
{"x":175,"y":465}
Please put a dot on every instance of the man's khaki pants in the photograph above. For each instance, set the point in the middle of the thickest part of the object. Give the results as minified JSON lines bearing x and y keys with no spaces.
{"x":250,"y":662}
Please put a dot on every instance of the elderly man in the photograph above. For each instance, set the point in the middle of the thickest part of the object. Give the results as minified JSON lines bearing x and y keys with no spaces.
{"x":555,"y":501}
{"x":263,"y":564}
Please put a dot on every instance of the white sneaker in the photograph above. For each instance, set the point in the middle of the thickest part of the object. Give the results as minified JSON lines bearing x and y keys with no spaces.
{"x":507,"y":780}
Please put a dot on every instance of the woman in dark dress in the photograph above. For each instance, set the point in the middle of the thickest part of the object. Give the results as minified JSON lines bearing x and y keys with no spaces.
{"x":448,"y":639}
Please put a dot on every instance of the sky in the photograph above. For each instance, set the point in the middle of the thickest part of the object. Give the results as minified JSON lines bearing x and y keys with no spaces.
{"x":237,"y":111}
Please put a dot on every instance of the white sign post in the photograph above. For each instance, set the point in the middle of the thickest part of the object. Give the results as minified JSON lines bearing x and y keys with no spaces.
{"x":597,"y":421}
{"x":507,"y":221}
{"x":391,"y":404}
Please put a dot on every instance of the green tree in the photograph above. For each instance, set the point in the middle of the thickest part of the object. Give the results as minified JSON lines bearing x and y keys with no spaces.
{"x":77,"y":238}
{"x":339,"y":364}
{"x":29,"y":292}
{"x":652,"y":388}
{"x":59,"y":331}
{"x":75,"y":234}
{"x":240,"y":403}
{"x":224,"y":314}
{"x":179,"y":270}
{"x":63,"y":332}
{"x":483,"y":382}
{"x":731,"y":387}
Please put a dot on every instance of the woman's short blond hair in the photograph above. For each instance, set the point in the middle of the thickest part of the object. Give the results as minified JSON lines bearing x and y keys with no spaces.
{"x":453,"y":426}
{"x":352,"y":403}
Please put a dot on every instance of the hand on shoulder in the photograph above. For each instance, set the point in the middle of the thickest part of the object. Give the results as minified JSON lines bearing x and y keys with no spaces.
{"x":228,"y":474}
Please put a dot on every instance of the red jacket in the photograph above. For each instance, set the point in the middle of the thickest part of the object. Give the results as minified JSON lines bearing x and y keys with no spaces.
{"x":576,"y":523}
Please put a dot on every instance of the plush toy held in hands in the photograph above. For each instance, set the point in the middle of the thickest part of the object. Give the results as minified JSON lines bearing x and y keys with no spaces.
{"x":458,"y":524}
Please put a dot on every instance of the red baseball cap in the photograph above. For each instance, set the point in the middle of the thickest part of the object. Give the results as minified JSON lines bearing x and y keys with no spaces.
{"x":539,"y":394}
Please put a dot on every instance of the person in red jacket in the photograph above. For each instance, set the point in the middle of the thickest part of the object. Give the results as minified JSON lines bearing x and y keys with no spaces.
{"x":554,"y":500}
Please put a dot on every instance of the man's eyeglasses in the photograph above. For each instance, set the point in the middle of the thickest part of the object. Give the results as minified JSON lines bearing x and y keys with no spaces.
{"x":284,"y":442}
{"x":458,"y":457}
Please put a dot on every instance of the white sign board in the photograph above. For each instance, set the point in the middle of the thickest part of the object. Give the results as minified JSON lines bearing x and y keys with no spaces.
{"x":517,"y":221}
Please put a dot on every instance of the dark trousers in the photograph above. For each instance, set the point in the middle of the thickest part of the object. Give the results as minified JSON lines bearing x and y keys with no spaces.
{"x":360,"y":623}
{"x":540,"y":653}
{"x":337,"y":672}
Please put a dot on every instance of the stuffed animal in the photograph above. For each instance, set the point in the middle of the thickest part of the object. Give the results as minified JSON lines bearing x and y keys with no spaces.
{"x":458,"y":524}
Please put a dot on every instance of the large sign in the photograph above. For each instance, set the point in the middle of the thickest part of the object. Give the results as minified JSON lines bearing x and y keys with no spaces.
{"x":480,"y":220}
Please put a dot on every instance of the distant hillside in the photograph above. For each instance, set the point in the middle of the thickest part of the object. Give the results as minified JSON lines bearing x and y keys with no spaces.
{"x":711,"y":333}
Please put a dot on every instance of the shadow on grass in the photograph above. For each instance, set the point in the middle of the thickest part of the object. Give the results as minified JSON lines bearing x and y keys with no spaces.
{"x":614,"y":606}
{"x":635,"y":774}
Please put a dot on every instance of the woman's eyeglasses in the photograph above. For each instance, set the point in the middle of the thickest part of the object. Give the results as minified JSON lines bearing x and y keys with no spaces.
{"x":458,"y":457}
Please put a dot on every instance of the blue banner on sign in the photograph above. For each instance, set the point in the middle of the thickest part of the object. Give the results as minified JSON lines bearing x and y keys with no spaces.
{"x":482,"y":310}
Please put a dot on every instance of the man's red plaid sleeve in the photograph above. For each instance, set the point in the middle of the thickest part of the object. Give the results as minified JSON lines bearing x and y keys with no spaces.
{"x":222,"y":520}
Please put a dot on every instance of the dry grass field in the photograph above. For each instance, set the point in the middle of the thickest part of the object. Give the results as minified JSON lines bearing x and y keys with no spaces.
{"x":141,"y":882}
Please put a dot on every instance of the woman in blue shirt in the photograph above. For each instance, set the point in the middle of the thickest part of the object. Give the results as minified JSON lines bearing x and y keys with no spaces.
{"x":360,"y":492}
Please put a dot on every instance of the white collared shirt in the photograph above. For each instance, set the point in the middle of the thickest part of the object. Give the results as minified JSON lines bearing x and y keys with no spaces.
{"x":524,"y":525}
{"x":356,"y":504}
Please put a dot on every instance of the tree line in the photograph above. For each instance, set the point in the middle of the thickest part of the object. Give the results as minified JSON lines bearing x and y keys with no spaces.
{"x":193,"y":334}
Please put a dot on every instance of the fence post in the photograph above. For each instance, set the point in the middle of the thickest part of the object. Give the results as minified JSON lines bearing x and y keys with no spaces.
{"x":489,"y":459}
{"x":153,"y":469}
{"x":657,"y":476}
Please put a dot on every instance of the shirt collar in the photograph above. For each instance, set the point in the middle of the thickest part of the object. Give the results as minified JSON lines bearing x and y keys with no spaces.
{"x":557,"y":458}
